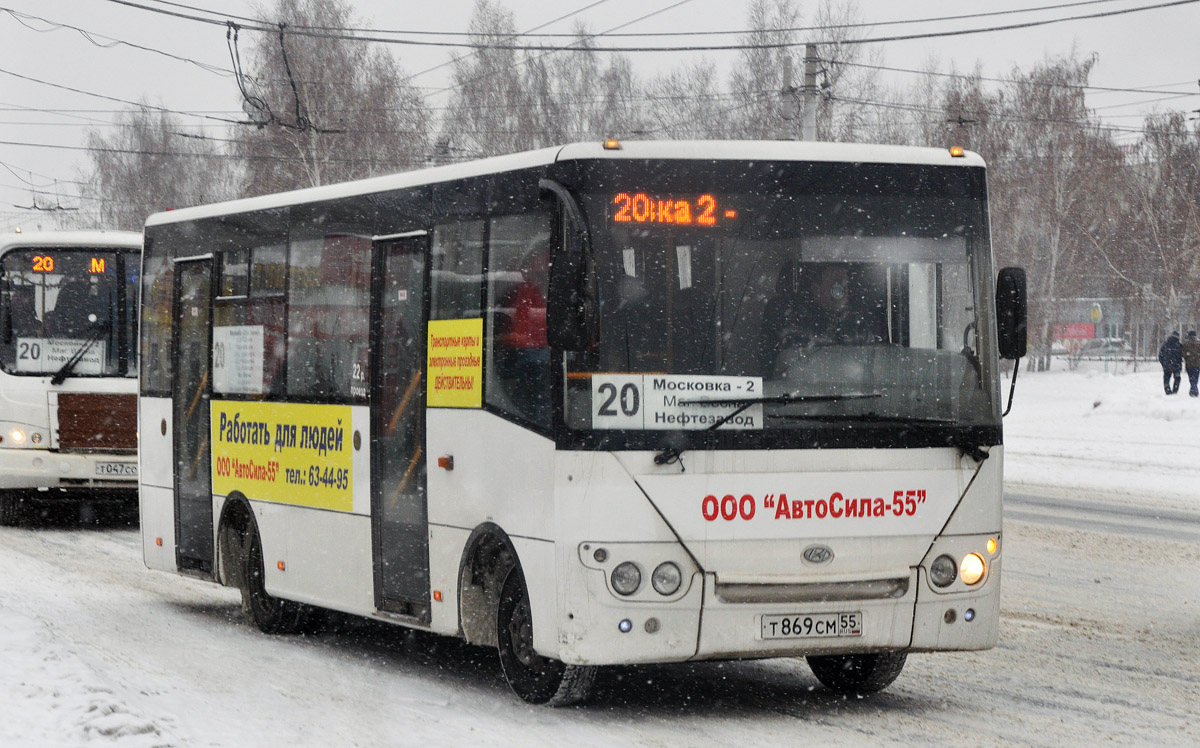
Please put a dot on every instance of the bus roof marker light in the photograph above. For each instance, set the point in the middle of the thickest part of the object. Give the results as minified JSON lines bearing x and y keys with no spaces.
{"x":956,"y":151}
{"x":612,"y":144}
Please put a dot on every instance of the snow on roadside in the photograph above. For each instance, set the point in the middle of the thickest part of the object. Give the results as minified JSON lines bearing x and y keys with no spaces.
{"x":1115,"y":435}
{"x":50,"y":696}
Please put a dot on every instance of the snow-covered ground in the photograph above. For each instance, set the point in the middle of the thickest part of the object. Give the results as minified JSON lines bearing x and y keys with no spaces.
{"x":1115,"y":436}
{"x":97,"y":651}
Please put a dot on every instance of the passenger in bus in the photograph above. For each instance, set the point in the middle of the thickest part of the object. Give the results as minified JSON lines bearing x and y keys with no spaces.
{"x":76,"y":310}
{"x":522,"y":348}
{"x":810,"y":308}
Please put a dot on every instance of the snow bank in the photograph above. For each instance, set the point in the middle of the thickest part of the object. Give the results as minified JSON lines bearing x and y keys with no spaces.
{"x":1115,"y":435}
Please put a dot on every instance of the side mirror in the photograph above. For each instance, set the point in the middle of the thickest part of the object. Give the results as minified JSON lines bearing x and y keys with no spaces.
{"x":1011,"y":313}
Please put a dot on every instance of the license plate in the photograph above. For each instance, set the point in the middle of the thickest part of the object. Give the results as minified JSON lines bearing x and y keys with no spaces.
{"x":812,"y":625}
{"x":116,"y":468}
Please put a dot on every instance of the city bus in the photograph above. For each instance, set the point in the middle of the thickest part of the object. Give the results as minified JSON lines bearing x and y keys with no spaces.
{"x":68,"y":369}
{"x":566,"y":404}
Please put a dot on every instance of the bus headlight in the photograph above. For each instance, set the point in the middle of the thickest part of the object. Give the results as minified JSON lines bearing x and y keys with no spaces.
{"x":626,"y":578}
{"x":942,"y":571}
{"x":666,"y":578}
{"x":972,"y":568}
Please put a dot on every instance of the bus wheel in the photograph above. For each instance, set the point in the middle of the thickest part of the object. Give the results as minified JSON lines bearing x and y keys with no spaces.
{"x":10,"y":508}
{"x":271,"y":614}
{"x":536,"y":679}
{"x":857,"y":673}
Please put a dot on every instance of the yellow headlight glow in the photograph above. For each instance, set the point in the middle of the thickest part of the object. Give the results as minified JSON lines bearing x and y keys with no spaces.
{"x":972,"y":568}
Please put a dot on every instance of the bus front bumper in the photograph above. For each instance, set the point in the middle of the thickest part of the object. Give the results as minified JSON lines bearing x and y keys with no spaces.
{"x":43,"y":469}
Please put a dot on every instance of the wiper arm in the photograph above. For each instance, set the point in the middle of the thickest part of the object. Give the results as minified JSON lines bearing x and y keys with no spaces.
{"x":61,"y":375}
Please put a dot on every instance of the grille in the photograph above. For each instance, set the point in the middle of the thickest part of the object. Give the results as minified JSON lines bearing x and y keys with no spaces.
{"x":97,"y":423}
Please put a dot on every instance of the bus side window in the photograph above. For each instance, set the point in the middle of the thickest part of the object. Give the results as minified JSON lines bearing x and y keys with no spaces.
{"x":517,"y":285}
{"x":457,"y":270}
{"x":328,"y":312}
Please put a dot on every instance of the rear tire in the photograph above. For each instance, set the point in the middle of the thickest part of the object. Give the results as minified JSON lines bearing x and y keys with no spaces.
{"x":11,"y":509}
{"x":272,"y":615}
{"x":857,"y":673}
{"x":536,"y":679}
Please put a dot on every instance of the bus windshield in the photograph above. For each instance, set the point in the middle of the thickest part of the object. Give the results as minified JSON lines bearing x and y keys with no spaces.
{"x":800,"y":295}
{"x":68,"y":311}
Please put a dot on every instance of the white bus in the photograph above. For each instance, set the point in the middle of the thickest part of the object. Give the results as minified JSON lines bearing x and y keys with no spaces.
{"x":68,"y":368}
{"x":598,"y":404}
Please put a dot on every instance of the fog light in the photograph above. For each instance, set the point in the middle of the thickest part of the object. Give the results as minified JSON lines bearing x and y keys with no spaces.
{"x":666,"y":578}
{"x":942,"y":571}
{"x":17,"y":436}
{"x":625,"y":625}
{"x":969,"y":615}
{"x":972,"y":568}
{"x":626,"y":578}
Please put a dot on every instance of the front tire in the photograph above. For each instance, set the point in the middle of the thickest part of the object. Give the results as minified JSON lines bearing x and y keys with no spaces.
{"x":857,"y":673}
{"x":536,"y":679}
{"x":271,"y":614}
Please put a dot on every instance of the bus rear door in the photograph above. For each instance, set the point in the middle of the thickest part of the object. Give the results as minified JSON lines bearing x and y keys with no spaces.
{"x":191,"y":392}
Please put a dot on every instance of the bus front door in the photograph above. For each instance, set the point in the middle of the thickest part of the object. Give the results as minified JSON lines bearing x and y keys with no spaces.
{"x":398,"y":492}
{"x":190,"y":395}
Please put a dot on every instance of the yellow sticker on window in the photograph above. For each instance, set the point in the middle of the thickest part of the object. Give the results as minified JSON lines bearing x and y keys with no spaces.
{"x":455,"y":363}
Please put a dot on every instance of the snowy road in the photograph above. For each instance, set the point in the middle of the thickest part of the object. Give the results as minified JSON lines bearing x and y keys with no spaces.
{"x":1131,"y":520}
{"x":1101,"y":616}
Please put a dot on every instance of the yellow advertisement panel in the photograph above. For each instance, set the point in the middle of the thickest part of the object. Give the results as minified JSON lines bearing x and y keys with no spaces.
{"x":284,"y":452}
{"x":455,"y":363}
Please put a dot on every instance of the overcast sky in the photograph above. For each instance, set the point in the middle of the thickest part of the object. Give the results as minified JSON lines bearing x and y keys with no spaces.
{"x":1151,"y":49}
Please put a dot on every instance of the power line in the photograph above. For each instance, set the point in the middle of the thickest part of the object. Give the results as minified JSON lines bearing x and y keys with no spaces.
{"x":119,"y":101}
{"x":633,"y":34}
{"x":681,"y":48}
{"x":18,"y":17}
{"x":968,"y":76}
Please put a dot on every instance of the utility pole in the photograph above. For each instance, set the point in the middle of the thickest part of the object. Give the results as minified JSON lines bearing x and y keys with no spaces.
{"x":810,"y":92}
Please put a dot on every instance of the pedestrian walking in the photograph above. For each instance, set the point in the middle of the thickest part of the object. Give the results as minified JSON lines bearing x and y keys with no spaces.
{"x":1170,"y":355}
{"x":1191,"y":361}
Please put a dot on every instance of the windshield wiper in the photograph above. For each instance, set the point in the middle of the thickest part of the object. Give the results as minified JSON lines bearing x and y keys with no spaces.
{"x":872,"y":418}
{"x":61,"y":375}
{"x":671,"y":454}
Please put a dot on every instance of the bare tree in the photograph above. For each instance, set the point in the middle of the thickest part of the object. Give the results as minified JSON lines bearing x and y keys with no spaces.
{"x":327,"y":108}
{"x":491,"y":110}
{"x":1160,"y":247}
{"x":151,"y":162}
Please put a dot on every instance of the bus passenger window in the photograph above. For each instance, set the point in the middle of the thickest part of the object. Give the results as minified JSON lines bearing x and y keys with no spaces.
{"x":518,"y":281}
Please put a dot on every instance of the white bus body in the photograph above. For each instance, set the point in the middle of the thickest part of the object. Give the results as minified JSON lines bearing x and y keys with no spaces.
{"x":68,"y":370}
{"x":341,"y":407}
